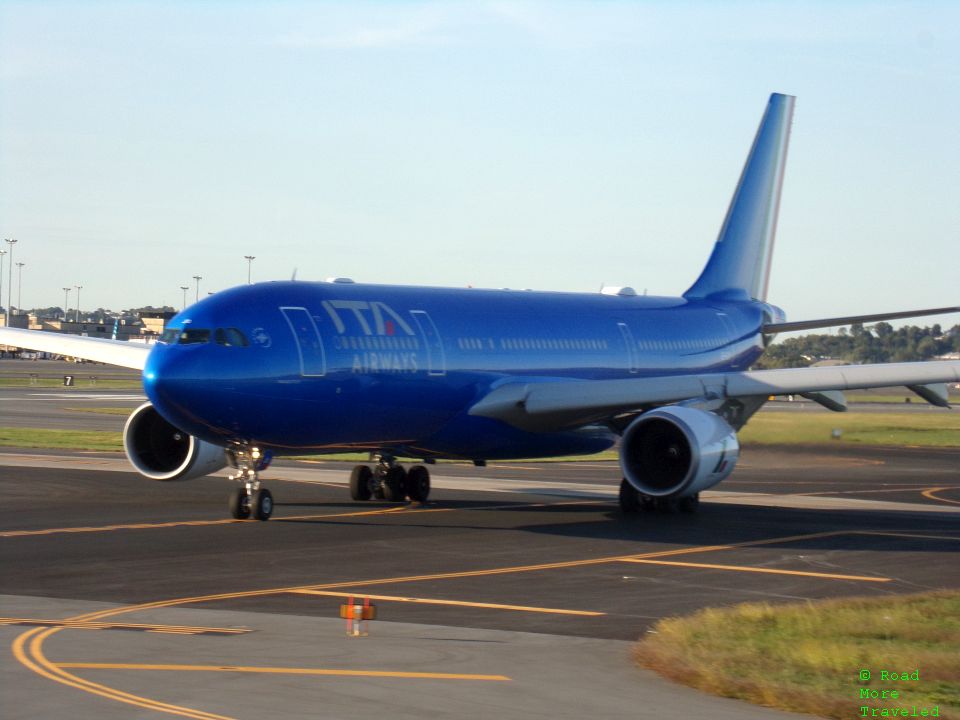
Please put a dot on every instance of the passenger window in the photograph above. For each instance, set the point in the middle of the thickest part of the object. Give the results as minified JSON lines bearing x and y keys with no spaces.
{"x":230,"y":337}
{"x":194,"y":336}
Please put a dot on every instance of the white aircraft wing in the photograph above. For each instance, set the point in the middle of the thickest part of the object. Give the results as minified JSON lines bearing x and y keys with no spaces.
{"x":557,"y":405}
{"x":112,"y":352}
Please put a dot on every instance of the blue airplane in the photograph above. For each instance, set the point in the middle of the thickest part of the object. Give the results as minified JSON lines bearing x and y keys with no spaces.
{"x":282,"y":368}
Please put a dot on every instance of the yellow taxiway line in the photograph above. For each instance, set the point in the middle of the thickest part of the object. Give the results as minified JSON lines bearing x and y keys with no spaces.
{"x":931,"y":494}
{"x":28,"y":647}
{"x":34,"y":659}
{"x":93,"y":625}
{"x":741,"y":568}
{"x":192,"y":523}
{"x":284,"y":671}
{"x":395,"y":510}
{"x":457,"y":603}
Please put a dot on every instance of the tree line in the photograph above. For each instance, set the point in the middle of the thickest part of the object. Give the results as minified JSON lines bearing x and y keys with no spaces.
{"x":859,"y":344}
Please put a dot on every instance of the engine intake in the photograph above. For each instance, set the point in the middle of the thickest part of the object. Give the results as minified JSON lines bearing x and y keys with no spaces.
{"x":160,"y":451}
{"x":677,"y":451}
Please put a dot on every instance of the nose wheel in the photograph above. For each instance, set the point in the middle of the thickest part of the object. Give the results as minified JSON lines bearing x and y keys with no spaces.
{"x":239,"y":504}
{"x":249,"y":499}
{"x":261,"y":504}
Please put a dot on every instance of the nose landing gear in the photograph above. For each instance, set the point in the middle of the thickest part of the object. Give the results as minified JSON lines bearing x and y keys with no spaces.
{"x":249,"y":499}
{"x":387,"y":480}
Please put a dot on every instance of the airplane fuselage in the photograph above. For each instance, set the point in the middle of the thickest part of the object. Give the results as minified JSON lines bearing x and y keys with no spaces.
{"x":305,"y":367}
{"x":334,"y":366}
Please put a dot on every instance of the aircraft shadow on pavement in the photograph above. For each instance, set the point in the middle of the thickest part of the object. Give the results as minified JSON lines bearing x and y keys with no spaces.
{"x":713,"y":524}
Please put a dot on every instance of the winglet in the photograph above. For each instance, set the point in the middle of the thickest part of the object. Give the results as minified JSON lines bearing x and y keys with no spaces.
{"x":740,"y":262}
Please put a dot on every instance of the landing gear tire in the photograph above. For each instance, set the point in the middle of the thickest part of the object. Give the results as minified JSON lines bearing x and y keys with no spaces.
{"x":689,"y":504}
{"x":261,"y":504}
{"x":361,"y":478}
{"x":629,"y":498}
{"x":418,"y":483}
{"x":240,"y":504}
{"x":394,"y":484}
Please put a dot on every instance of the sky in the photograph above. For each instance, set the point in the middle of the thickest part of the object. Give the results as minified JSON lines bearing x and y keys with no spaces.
{"x":544,"y":145}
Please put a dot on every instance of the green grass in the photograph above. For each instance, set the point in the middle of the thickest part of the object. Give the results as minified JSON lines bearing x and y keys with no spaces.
{"x":868,"y":398}
{"x":806,"y":657}
{"x":100,"y":440}
{"x":900,"y":399}
{"x":81,"y":382}
{"x":102,"y":410}
{"x":936,"y":428}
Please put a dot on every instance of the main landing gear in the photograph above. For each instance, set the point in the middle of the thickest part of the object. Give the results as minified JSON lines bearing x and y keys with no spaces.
{"x":387,"y":480}
{"x":634,"y":501}
{"x":249,"y":500}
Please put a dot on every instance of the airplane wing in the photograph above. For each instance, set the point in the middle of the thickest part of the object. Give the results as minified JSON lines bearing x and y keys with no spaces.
{"x":771,"y":328}
{"x":112,"y":352}
{"x":558,"y":405}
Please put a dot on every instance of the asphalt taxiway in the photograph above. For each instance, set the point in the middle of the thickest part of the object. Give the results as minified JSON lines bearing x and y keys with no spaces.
{"x":517,"y":591}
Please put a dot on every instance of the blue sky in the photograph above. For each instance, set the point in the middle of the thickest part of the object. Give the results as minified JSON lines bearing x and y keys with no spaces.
{"x":505,"y":144}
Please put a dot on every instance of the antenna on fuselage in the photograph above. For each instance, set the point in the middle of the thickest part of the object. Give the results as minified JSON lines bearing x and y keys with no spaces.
{"x":293,"y":278}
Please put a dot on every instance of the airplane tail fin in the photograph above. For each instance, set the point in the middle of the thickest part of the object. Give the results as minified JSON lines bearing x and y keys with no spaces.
{"x":740,"y":262}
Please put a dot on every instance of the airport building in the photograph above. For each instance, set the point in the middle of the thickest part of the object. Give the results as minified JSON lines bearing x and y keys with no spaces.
{"x":146,"y":327}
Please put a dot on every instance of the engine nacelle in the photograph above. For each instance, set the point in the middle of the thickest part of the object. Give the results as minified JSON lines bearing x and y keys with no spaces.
{"x":162,"y":452}
{"x":677,"y":451}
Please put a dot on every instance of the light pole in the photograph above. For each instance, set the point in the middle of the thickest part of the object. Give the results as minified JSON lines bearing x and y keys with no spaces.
{"x":249,"y":259}
{"x":20,"y":287}
{"x":184,"y":288}
{"x":198,"y":279}
{"x":2,"y":253}
{"x":66,"y":301}
{"x":10,"y":242}
{"x":79,"y":288}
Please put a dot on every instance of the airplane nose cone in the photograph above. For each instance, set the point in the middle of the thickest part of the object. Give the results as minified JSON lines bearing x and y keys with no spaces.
{"x":170,"y":378}
{"x":182,"y":384}
{"x":157,"y":374}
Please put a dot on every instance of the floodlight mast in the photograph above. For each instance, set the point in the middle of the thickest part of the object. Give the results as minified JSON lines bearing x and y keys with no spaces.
{"x":10,"y":242}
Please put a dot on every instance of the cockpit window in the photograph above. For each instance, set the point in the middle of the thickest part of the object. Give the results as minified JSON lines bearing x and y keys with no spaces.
{"x":230,"y":337}
{"x":194,"y":336}
{"x":170,"y":335}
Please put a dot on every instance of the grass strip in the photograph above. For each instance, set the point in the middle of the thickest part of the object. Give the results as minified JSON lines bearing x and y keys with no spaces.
{"x":806,"y":657}
{"x":933,"y":428}
{"x":98,"y":440}
{"x":937,"y":428}
{"x":904,"y":399}
{"x":80,"y":382}
{"x":102,"y":410}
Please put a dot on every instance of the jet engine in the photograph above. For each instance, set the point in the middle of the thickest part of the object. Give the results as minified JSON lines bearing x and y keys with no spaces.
{"x":160,"y":451}
{"x":675,"y":451}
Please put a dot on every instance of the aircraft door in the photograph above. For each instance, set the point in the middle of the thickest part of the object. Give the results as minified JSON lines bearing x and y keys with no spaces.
{"x":313,"y":361}
{"x":634,"y":363}
{"x":436,"y":359}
